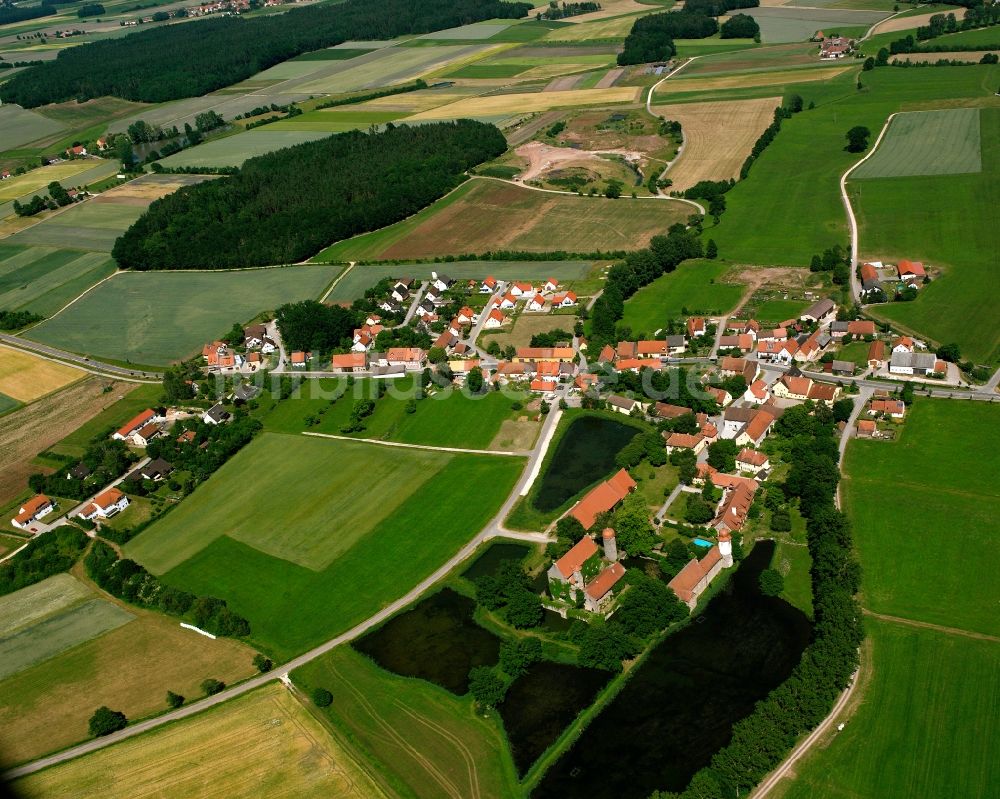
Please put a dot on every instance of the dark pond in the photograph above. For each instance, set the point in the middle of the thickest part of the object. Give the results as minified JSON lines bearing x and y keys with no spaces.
{"x":555,"y":623}
{"x":586,"y":451}
{"x":541,"y":703}
{"x":487,"y":563}
{"x":437,"y":641}
{"x":679,"y":707}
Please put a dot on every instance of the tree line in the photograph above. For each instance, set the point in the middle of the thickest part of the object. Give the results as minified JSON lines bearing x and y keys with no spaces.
{"x":762,"y":740}
{"x":175,"y":61}
{"x":48,"y":554}
{"x":287,"y":205}
{"x":652,"y":37}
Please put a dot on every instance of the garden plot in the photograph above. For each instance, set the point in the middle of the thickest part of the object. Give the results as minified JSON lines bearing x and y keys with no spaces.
{"x":718,"y":136}
{"x":927,"y":143}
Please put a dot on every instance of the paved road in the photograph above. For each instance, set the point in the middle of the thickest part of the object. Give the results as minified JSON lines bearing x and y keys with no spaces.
{"x":493,"y":529}
{"x":413,"y":305}
{"x":87,"y":364}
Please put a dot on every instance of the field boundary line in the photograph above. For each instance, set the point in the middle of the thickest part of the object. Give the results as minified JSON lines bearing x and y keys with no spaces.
{"x":333,"y":285}
{"x":78,"y":297}
{"x":927,"y":625}
{"x":460,"y":450}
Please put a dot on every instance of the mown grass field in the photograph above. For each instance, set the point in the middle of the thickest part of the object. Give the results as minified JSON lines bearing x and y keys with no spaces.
{"x":927,"y":143}
{"x":941,"y":470}
{"x":263,"y":743}
{"x":39,"y":179}
{"x":160,"y":317}
{"x":44,"y":279}
{"x":776,"y":310}
{"x":695,"y":285}
{"x":363,"y":277}
{"x":956,"y":233}
{"x":307,"y":521}
{"x":925,"y":727}
{"x":789,"y":208}
{"x":490,"y":215}
{"x":26,"y":377}
{"x":421,"y":738}
{"x":291,"y":607}
{"x":30,"y":605}
{"x":234,"y":150}
{"x":793,"y":562}
{"x":46,"y":706}
{"x":977,"y":37}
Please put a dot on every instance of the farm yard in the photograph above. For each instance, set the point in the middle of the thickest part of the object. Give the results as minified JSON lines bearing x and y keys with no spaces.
{"x":264,"y":741}
{"x":695,"y":285}
{"x":27,"y":377}
{"x":718,"y":136}
{"x":949,"y":501}
{"x":891,"y":228}
{"x":417,"y":532}
{"x":411,"y":731}
{"x":943,"y":142}
{"x":161,"y":317}
{"x":485,"y":215}
{"x":76,"y":651}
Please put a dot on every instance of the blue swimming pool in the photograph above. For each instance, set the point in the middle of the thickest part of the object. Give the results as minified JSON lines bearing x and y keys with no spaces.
{"x":701,"y":542}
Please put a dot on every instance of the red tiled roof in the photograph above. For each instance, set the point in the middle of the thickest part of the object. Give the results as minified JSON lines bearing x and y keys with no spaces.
{"x":135,"y":423}
{"x":758,"y":425}
{"x":824,"y":392}
{"x":543,"y":385}
{"x":888,"y":406}
{"x":868,"y":272}
{"x":573,"y":560}
{"x":915,"y":268}
{"x":107,"y":498}
{"x":605,"y":581}
{"x":351,"y":360}
{"x":876,"y":352}
{"x":31,"y":507}
{"x":684,"y":583}
{"x":601,"y":498}
{"x":861,"y":327}
{"x":667,"y":411}
{"x":651,"y":347}
{"x":752,"y":456}
{"x":799,"y":386}
{"x":684,"y":440}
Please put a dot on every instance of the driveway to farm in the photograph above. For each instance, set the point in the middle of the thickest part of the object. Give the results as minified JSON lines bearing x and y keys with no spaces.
{"x":493,"y":529}
{"x":87,"y":364}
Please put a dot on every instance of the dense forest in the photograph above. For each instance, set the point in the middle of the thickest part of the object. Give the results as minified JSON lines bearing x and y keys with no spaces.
{"x":652,"y":37}
{"x":287,"y":205}
{"x":10,"y":14}
{"x":188,"y":60}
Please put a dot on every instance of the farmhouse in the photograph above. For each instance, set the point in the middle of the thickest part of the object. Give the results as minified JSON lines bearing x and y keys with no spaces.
{"x":135,"y":424}
{"x":796,"y":388}
{"x":697,"y":575}
{"x":720,"y":395}
{"x":911,"y":271}
{"x":743,"y":342}
{"x":105,"y":505}
{"x":819,"y":311}
{"x":623,"y":405}
{"x":752,"y":461}
{"x":869,"y":279}
{"x":675,"y":441}
{"x":782,"y":352}
{"x":730,"y":367}
{"x":866,"y":428}
{"x":856,"y":327}
{"x":146,"y":433}
{"x":602,"y":498}
{"x":826,"y":393}
{"x":734,"y":420}
{"x":558,"y":354}
{"x":895,"y":409}
{"x":876,"y":354}
{"x":407,"y":357}
{"x":696,"y":326}
{"x":912,"y":363}
{"x":835,"y":47}
{"x":756,"y":430}
{"x":299,"y":359}
{"x":35,"y":508}
{"x":543,"y":386}
{"x":350,"y":362}
{"x":903,"y":344}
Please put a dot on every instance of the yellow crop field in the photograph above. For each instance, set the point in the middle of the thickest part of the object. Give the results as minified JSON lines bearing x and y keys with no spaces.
{"x":748,"y":80}
{"x":614,"y":28}
{"x":38,"y":179}
{"x":718,"y":136}
{"x":501,"y":104}
{"x":27,"y":377}
{"x":261,"y":744}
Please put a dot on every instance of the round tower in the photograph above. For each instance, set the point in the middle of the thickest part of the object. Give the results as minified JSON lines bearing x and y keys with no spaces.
{"x":726,"y":548}
{"x":610,"y":544}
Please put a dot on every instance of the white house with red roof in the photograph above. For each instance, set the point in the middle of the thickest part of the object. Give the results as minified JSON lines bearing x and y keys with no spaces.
{"x":105,"y":505}
{"x":536,"y":303}
{"x":757,"y":393}
{"x":495,"y":319}
{"x":35,"y":508}
{"x":911,"y":271}
{"x":550,"y":285}
{"x":752,"y":461}
{"x":489,"y":285}
{"x":519,"y":288}
{"x":136,"y":423}
{"x":566,"y":299}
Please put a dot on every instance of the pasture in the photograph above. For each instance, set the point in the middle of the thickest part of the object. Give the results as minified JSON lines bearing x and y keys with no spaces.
{"x":38,"y":179}
{"x":941,"y":470}
{"x":931,"y":696}
{"x":527,"y":325}
{"x":363,"y":277}
{"x":487,"y":215}
{"x":46,"y":706}
{"x":234,"y":150}
{"x":161,"y":317}
{"x":21,"y":126}
{"x":503,"y":105}
{"x":290,"y":606}
{"x":718,"y":136}
{"x":263,"y":742}
{"x":942,"y":142}
{"x":959,"y":305}
{"x":412,"y":732}
{"x":776,"y":310}
{"x":789,"y":207}
{"x":695,"y":285}
{"x":27,"y":377}
{"x":790,"y":24}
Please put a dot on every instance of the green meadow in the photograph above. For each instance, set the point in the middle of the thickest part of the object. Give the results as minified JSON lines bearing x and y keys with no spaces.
{"x":925,"y":727}
{"x":921,"y":505}
{"x":694,"y":285}
{"x":44,"y":279}
{"x":372,"y":521}
{"x":956,"y":234}
{"x":944,"y":142}
{"x":775,"y":310}
{"x":87,"y":226}
{"x":161,"y":317}
{"x":234,"y":150}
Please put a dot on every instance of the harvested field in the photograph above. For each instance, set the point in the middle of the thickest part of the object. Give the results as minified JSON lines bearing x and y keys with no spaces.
{"x":27,"y":431}
{"x":788,"y":24}
{"x":27,"y":377}
{"x":617,"y":8}
{"x":588,"y":29}
{"x":910,"y":22}
{"x":718,"y":136}
{"x":609,"y":79}
{"x":971,"y":57}
{"x":503,"y":104}
{"x":264,"y":743}
{"x":563,"y":84}
{"x":927,"y":143}
{"x":777,"y":79}
{"x":146,"y":189}
{"x":497,"y":216}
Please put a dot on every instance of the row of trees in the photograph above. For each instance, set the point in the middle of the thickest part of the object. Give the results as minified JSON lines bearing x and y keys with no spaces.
{"x":175,"y":61}
{"x":287,"y":205}
{"x":44,"y":556}
{"x":763,"y":739}
{"x":15,"y":320}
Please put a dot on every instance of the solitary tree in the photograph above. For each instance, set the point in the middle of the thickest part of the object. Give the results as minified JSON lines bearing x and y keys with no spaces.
{"x":106,"y":721}
{"x":174,"y":700}
{"x":771,"y":582}
{"x":857,"y":139}
{"x":262,"y":664}
{"x":322,"y":697}
{"x":711,"y":250}
{"x":212,"y":686}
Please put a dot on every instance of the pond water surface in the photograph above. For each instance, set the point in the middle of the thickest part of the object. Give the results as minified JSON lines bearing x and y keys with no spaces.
{"x":585,"y":453}
{"x":679,"y":707}
{"x":489,"y":561}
